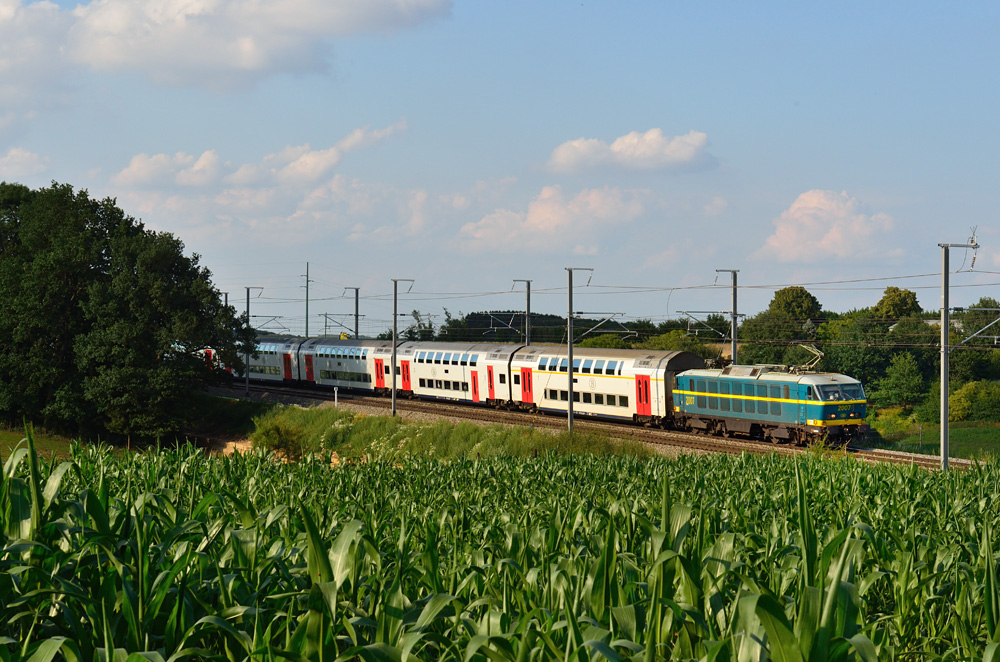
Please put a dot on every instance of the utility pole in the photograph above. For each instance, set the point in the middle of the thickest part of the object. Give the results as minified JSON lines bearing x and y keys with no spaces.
{"x":569,"y":340}
{"x":945,"y":350}
{"x":527,"y":310}
{"x":356,"y":290}
{"x":395,"y":336}
{"x":307,"y":299}
{"x":733,"y":322}
{"x":246,"y":357}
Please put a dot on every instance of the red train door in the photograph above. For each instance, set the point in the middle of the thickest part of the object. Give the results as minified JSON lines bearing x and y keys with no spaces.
{"x":286,"y":360}
{"x":489,"y":381}
{"x":405,"y":372}
{"x":643,"y":404}
{"x":379,"y":373}
{"x":309,"y":368}
{"x":475,"y":386}
{"x":527,"y":395}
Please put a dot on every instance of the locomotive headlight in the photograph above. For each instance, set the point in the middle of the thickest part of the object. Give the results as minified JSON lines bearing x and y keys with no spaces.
{"x":833,"y":416}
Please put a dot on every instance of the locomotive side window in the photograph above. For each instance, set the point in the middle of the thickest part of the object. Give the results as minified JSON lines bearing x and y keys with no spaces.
{"x":701,"y":388}
{"x":713,"y":387}
{"x":737,"y":402}
{"x":784,"y":392}
{"x":724,"y":390}
{"x":775,"y":405}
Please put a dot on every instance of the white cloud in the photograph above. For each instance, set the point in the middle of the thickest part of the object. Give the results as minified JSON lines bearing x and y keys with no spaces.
{"x":551,"y":216}
{"x":229,"y":42}
{"x":717,"y":206}
{"x":33,"y":69}
{"x":827,"y":225}
{"x":295,"y":167}
{"x":634,"y":151}
{"x":19,"y":162}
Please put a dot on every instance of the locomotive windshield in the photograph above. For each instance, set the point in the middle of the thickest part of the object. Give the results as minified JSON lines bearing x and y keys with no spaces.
{"x":853,"y":392}
{"x":842,"y":392}
{"x":829,"y":392}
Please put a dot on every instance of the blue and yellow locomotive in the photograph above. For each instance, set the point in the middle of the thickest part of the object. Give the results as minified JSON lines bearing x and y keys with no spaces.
{"x":771,"y":403}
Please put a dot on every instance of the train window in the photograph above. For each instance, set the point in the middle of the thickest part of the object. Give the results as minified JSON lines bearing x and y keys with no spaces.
{"x":517,"y":378}
{"x":386,"y":369}
{"x":623,"y":401}
{"x":564,"y":365}
{"x":503,"y":378}
{"x":364,"y":354}
{"x":447,"y":386}
{"x":598,"y":398}
{"x":853,"y":392}
{"x":465,"y":359}
{"x":701,"y":388}
{"x":713,"y":387}
{"x":437,"y":357}
{"x":447,"y":358}
{"x":775,"y":405}
{"x":586,"y":398}
{"x":784,"y":392}
{"x":564,"y":396}
{"x":454,"y":359}
{"x":576,"y":365}
{"x":587,"y":365}
{"x":437,"y":383}
{"x":455,"y":386}
{"x":465,"y":386}
{"x":809,"y":393}
{"x":737,"y":405}
{"x":576,"y":396}
{"x":610,"y":370}
{"x":737,"y":388}
{"x":542,"y":362}
{"x":724,"y":390}
{"x":598,"y":367}
{"x":474,"y":360}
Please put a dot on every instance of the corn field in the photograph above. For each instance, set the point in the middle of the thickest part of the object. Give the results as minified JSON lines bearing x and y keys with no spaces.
{"x":176,"y":555}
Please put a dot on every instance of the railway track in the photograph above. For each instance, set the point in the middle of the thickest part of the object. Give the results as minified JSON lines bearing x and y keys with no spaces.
{"x":651,"y":436}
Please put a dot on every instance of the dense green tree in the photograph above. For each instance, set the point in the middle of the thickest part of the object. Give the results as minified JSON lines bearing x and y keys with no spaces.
{"x":903,"y":385}
{"x":857,"y":346}
{"x":795,"y":303}
{"x":604,"y":341}
{"x":103,"y":322}
{"x":895,"y":304}
{"x":679,"y":341}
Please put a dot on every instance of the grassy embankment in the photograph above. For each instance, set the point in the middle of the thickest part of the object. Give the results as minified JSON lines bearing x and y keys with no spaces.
{"x":970,"y":440}
{"x":295,"y":431}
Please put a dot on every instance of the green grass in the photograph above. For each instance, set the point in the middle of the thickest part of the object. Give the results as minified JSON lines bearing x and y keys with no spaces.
{"x":296,"y":431}
{"x":965,"y":440}
{"x":46,"y":445}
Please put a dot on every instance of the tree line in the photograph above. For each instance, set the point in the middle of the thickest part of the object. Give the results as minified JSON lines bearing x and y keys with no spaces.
{"x":103,"y":323}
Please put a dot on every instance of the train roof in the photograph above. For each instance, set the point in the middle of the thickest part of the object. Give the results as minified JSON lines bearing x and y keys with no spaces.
{"x":774,"y":374}
{"x":670,"y":360}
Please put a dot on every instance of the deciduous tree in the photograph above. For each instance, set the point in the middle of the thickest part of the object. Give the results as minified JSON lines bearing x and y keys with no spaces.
{"x":104,"y":323}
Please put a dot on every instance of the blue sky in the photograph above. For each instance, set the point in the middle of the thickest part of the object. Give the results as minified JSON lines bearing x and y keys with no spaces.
{"x":468,"y":144}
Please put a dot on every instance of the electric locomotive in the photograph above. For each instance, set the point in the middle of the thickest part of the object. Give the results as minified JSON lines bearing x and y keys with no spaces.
{"x":772,"y":403}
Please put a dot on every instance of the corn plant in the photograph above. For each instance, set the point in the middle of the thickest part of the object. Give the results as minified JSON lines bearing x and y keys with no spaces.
{"x":175,"y":555}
